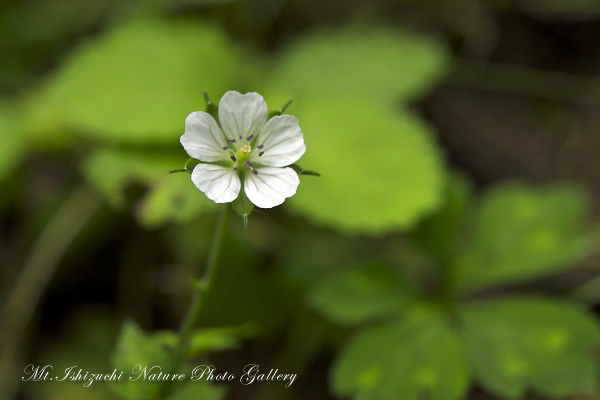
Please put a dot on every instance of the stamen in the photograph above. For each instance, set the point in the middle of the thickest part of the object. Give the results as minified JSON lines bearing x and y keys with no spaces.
{"x":225,"y":148}
{"x":249,"y":138}
{"x":240,"y":136}
{"x":249,"y":164}
{"x":233,"y":158}
{"x":234,"y":167}
{"x":261,"y":153}
{"x":231,"y":141}
{"x":260,"y":147}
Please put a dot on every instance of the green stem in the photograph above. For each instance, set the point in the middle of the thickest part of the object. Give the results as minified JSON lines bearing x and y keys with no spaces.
{"x":70,"y":219}
{"x":589,"y":292}
{"x":200,"y":289}
{"x":206,"y":281}
{"x":447,"y":294}
{"x":526,"y":81}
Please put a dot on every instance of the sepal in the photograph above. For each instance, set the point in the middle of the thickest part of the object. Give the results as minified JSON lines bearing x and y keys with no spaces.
{"x":301,"y":171}
{"x":243,"y":206}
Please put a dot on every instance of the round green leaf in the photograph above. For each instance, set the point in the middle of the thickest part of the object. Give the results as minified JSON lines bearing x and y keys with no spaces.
{"x":171,"y":197}
{"x":380,"y":170}
{"x":138,"y":82}
{"x":518,"y":344}
{"x":375,"y":64}
{"x":408,"y":360}
{"x":520,"y":232}
{"x":360,"y":294}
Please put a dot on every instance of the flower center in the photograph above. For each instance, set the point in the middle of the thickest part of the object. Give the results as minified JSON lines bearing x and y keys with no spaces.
{"x":240,"y":159}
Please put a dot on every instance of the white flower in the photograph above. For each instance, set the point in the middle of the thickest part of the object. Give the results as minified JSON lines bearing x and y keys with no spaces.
{"x":246,"y":150}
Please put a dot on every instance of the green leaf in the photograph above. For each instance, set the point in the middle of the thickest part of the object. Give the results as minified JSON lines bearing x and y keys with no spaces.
{"x":441,"y":234}
{"x":371,"y":64}
{"x":361,"y":294}
{"x":13,"y":141}
{"x":520,"y":233}
{"x":200,"y":390}
{"x":86,"y":337}
{"x":518,"y":344}
{"x":53,"y":19}
{"x":409,"y":360}
{"x":110,"y":170}
{"x":380,"y":170}
{"x":562,"y":10}
{"x":134,"y":347}
{"x":171,"y":197}
{"x":138,"y":82}
{"x":216,"y":339}
{"x":137,"y":347}
{"x":312,"y":266}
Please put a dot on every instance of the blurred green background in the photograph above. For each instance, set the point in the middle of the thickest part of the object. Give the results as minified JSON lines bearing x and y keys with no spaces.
{"x":448,"y":251}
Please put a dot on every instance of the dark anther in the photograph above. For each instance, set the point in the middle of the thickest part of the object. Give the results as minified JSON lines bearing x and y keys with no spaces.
{"x":232,"y":158}
{"x":255,"y":172}
{"x":261,"y":153}
{"x":231,"y":141}
{"x":260,"y":147}
{"x":250,"y":137}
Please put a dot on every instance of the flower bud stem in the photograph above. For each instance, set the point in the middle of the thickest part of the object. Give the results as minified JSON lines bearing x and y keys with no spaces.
{"x":201,"y":287}
{"x":205,"y":282}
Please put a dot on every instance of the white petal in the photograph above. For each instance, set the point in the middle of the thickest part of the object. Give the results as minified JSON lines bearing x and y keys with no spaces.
{"x":282,"y":140}
{"x":242,"y":114}
{"x":271,"y":186}
{"x":203,"y":139}
{"x":220,"y":184}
